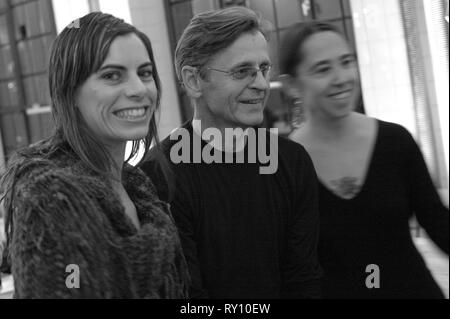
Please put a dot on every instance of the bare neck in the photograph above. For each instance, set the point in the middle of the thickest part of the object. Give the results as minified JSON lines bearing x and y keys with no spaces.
{"x":117,"y":154}
{"x":332,"y":129}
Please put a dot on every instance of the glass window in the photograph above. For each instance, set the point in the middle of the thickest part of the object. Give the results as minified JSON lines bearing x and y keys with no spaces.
{"x":45,"y":22}
{"x":4,"y":95}
{"x":288,"y":12}
{"x":347,"y":7}
{"x":4,"y":39}
{"x":265,"y":8}
{"x":181,"y":15}
{"x":231,"y":3}
{"x":199,"y":6}
{"x":13,"y":93}
{"x":306,"y":10}
{"x":350,"y":32}
{"x":327,"y":9}
{"x":7,"y":69}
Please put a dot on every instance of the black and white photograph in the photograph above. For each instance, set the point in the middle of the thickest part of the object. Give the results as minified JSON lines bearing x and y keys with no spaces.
{"x":224,"y":154}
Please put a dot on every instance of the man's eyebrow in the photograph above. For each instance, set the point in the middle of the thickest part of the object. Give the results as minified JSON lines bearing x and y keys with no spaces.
{"x":247,"y":64}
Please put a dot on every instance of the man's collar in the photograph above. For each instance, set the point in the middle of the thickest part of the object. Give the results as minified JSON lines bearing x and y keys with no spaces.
{"x":239,"y":143}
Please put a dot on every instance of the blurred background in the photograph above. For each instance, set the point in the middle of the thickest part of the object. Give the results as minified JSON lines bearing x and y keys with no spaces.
{"x":402,"y":48}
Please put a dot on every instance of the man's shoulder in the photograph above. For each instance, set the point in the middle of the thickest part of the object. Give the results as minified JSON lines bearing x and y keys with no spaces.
{"x":175,"y":136}
{"x":290,"y":149}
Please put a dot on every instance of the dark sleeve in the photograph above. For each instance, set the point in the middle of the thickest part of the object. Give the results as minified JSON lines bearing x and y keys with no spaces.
{"x":53,"y":231}
{"x":431,"y":213}
{"x":302,"y":271}
{"x":183,"y":211}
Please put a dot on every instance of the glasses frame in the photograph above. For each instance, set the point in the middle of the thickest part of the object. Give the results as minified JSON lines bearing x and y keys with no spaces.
{"x":251,"y":77}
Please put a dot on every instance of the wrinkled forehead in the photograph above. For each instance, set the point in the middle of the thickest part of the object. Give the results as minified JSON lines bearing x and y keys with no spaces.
{"x":250,"y":48}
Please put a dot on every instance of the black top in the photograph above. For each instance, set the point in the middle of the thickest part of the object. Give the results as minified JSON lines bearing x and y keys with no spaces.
{"x":246,"y":234}
{"x":373,"y":227}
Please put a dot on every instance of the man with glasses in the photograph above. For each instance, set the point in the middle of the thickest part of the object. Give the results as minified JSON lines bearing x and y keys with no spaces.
{"x":245,"y":234}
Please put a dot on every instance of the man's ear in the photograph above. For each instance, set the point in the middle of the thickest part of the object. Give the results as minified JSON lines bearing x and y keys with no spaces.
{"x":191,"y":81}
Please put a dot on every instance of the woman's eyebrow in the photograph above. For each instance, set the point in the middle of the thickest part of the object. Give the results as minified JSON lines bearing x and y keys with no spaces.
{"x":112,"y":66}
{"x":121,"y":67}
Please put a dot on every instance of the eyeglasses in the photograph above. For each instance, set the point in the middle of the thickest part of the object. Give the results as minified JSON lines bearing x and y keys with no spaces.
{"x":247,"y":72}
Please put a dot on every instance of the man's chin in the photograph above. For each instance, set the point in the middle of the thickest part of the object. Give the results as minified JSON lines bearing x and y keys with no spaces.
{"x":252,"y":120}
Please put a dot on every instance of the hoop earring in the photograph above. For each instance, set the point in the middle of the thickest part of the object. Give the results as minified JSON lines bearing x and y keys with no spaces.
{"x":298,"y":113}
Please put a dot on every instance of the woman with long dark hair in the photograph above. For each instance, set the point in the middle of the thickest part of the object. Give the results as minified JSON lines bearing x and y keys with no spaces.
{"x":80,"y":221}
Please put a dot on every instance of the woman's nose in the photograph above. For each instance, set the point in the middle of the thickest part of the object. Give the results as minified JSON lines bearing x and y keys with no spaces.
{"x":136,"y":88}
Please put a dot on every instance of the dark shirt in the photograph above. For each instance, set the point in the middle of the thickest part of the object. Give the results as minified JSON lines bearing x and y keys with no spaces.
{"x":373,"y":227}
{"x":246,"y":234}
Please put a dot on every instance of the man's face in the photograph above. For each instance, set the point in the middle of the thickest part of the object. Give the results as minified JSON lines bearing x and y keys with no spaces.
{"x":232,"y":102}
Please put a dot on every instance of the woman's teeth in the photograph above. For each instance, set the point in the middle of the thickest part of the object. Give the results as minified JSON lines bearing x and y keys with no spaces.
{"x":131,"y":113}
{"x":252,"y":101}
{"x":341,"y":95}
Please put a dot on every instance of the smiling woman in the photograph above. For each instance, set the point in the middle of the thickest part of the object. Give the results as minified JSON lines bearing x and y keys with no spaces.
{"x":71,"y":201}
{"x":372,"y":176}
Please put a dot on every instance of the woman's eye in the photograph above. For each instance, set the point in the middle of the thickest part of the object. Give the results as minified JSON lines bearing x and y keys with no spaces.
{"x":348,"y":61}
{"x":111,"y":76}
{"x":322,"y":70}
{"x":147,"y":74}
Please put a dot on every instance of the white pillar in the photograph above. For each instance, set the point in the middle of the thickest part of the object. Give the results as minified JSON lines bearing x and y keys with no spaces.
{"x":65,"y":11}
{"x":383,"y":61}
{"x":150,"y":18}
{"x":439,"y":61}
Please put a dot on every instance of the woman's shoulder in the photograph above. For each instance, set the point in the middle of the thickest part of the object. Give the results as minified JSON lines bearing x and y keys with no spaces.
{"x":42,"y":169}
{"x":394,"y":133}
{"x":137,"y":182}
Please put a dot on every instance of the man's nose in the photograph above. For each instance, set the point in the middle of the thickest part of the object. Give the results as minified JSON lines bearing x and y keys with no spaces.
{"x":260,"y":81}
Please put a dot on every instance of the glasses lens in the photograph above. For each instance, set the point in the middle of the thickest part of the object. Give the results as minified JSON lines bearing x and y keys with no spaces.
{"x":243,"y":73}
{"x":265,"y":69}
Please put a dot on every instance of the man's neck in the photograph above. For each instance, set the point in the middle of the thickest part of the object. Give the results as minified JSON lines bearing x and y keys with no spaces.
{"x":232,"y":139}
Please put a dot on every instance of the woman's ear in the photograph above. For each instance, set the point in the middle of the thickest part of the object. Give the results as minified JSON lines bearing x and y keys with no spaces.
{"x":191,"y":81}
{"x":290,"y":86}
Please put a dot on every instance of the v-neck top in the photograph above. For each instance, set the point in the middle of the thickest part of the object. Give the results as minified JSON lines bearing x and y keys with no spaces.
{"x":372,"y":228}
{"x":367,"y":168}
